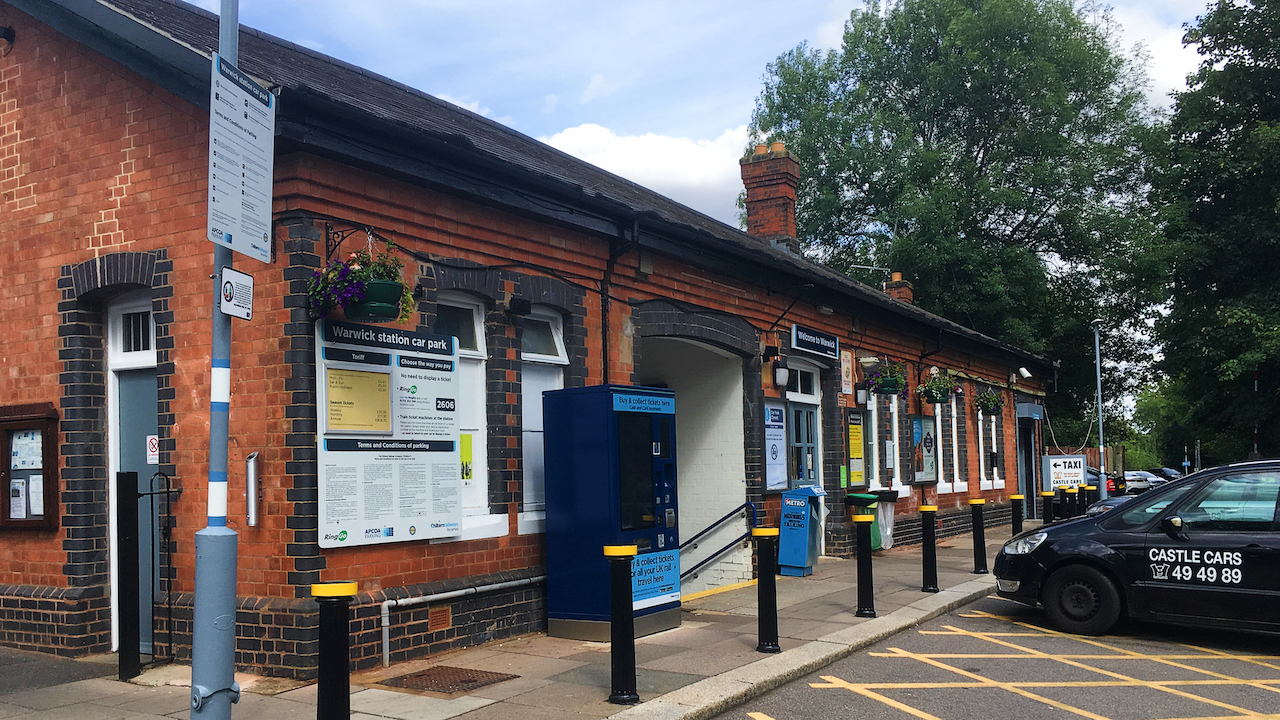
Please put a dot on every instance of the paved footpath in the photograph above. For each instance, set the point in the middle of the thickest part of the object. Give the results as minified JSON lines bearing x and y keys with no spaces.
{"x":695,"y":671}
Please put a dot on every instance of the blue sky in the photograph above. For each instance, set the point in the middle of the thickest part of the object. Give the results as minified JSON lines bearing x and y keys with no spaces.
{"x":657,"y":91}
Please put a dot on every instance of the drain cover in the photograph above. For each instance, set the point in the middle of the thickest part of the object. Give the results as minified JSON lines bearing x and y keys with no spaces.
{"x":444,"y":679}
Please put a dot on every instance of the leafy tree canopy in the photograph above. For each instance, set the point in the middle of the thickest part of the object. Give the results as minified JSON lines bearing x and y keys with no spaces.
{"x":991,"y":150}
{"x":1219,"y":186}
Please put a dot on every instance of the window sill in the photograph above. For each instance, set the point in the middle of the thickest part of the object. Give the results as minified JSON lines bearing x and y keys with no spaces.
{"x":531,"y":523}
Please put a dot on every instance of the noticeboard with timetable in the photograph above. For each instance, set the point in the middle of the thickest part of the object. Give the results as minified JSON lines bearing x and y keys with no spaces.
{"x":29,"y":473}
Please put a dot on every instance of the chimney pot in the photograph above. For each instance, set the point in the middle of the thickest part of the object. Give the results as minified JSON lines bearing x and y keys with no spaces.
{"x":762,"y":149}
{"x":900,"y":289}
{"x":778,"y":147}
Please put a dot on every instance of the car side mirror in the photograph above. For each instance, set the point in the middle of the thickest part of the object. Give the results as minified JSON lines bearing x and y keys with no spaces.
{"x":1172,"y":527}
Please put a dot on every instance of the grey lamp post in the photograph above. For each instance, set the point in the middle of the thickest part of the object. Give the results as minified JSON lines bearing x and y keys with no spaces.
{"x":1102,"y":464}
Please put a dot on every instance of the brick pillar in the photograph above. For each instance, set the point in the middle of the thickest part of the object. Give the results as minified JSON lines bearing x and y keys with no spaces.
{"x":770,"y":175}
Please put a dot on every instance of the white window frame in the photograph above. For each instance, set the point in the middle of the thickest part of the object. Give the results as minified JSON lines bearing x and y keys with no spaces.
{"x":477,"y":522}
{"x":815,"y":399}
{"x":534,"y":520}
{"x":959,"y":481}
{"x":119,"y":360}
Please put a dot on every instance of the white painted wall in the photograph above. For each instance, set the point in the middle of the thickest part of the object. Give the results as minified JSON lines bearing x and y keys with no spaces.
{"x":709,"y":447}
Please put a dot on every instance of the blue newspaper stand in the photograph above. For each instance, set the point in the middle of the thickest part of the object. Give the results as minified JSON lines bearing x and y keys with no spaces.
{"x":798,"y":540}
{"x":610,"y":454}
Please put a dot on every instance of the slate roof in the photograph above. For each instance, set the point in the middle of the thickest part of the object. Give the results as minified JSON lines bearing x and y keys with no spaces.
{"x":171,"y":40}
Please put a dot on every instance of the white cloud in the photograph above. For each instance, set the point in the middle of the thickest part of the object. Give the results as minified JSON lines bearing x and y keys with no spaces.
{"x":598,"y":87}
{"x":702,"y":174}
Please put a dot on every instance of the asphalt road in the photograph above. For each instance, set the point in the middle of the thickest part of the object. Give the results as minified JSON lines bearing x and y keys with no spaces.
{"x":997,"y":660}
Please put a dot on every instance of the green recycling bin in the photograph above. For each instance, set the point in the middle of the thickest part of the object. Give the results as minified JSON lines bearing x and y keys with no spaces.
{"x":866,"y":505}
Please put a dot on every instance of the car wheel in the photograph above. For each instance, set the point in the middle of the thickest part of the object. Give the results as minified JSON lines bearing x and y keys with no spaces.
{"x":1081,"y":600}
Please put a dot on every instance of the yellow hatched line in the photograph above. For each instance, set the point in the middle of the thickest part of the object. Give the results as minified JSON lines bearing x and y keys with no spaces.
{"x":1010,"y":687}
{"x":1255,"y":659}
{"x":758,"y":716}
{"x":1075,"y":656}
{"x":1262,"y":684}
{"x":835,"y":682}
{"x":1053,"y":683}
{"x":1119,"y":676}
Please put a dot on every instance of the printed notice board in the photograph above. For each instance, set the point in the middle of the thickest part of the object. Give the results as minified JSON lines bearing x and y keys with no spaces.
{"x":389,"y":450}
{"x":242,"y":136}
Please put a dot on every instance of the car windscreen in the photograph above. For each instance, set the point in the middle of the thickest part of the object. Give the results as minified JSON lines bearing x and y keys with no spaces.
{"x":1143,"y":509}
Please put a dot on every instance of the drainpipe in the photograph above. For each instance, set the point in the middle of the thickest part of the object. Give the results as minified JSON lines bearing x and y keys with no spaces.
{"x":387,"y":605}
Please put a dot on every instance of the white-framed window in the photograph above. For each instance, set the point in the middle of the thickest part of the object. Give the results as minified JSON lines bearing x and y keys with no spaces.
{"x":543,"y":359}
{"x":462,"y":317}
{"x":131,"y":333}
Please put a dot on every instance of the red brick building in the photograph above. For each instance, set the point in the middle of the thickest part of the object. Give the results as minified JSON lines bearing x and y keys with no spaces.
{"x":550,"y":272}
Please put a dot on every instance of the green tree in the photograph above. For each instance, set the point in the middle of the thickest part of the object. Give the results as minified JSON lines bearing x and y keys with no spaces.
{"x":1220,"y":188}
{"x":992,"y":151}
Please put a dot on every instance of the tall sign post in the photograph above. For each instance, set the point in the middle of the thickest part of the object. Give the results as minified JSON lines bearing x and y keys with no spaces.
{"x":241,"y":160}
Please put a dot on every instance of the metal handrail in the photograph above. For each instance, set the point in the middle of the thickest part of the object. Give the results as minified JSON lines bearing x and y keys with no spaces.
{"x":753,"y":519}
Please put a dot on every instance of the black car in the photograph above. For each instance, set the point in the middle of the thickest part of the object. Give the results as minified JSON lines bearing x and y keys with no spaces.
{"x":1202,"y":550}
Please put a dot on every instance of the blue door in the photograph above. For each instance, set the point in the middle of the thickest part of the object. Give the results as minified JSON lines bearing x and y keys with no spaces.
{"x":137,"y":403}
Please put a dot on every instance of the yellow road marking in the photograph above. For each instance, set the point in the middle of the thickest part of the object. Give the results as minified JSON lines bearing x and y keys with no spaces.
{"x":1072,"y":659}
{"x":835,"y":682}
{"x":1144,"y":683}
{"x":758,"y":716}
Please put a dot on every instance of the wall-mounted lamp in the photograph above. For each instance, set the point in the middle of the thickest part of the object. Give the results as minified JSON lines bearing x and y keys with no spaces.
{"x":860,"y":393}
{"x":7,"y":34}
{"x":1025,"y":373}
{"x":824,"y":310}
{"x":781,"y":373}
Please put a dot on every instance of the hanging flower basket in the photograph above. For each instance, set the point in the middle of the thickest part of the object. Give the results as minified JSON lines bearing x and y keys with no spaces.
{"x":368,"y":287}
{"x":937,"y":388}
{"x":888,"y":379}
{"x":989,"y":402}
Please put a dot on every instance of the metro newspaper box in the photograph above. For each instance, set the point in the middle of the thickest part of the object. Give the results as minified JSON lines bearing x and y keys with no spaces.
{"x":798,"y":540}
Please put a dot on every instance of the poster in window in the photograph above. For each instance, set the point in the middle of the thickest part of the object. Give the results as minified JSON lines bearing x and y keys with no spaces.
{"x":924,"y":450}
{"x":857,"y":467}
{"x":775,"y":448}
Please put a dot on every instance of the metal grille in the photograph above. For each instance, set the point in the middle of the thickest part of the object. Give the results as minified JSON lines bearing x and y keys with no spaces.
{"x":444,"y":679}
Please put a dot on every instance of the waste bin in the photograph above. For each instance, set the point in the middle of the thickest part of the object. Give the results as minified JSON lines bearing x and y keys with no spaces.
{"x":884,"y":516}
{"x":866,"y":505}
{"x":798,"y":538}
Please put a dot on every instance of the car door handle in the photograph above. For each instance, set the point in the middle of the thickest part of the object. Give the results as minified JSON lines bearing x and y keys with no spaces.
{"x":1256,"y":547}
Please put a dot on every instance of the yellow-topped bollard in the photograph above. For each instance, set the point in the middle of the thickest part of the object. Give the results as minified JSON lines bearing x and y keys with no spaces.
{"x":866,"y":593}
{"x":1017,"y":512}
{"x":979,"y":537}
{"x":767,"y":589}
{"x":333,"y":682}
{"x":622,"y":625}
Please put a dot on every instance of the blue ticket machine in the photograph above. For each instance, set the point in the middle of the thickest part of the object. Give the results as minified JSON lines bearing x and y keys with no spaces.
{"x":798,"y":538}
{"x":610,"y":455}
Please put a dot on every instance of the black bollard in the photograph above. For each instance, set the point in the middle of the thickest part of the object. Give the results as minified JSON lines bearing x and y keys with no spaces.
{"x":1046,"y":497}
{"x":767,"y":589}
{"x":1090,"y":495}
{"x":929,"y":543}
{"x":979,"y":538}
{"x":622,"y":625}
{"x":1017,"y":513}
{"x":866,"y":593}
{"x":333,"y":684}
{"x":1073,"y":501}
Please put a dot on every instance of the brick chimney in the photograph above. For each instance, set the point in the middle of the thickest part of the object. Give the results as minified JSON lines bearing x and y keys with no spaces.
{"x":770,"y":175}
{"x":900,"y":289}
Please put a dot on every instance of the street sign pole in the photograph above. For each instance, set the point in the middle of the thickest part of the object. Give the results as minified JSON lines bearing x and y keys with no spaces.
{"x":213,"y":646}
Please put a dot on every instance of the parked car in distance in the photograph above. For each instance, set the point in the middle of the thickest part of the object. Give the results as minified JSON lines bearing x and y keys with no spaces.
{"x":1197,"y":551}
{"x":1140,"y":481}
{"x":1165,"y":472}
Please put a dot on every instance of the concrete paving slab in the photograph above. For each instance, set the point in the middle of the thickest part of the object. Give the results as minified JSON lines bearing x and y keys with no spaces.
{"x":510,"y":688}
{"x":572,"y":700}
{"x":520,"y":664}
